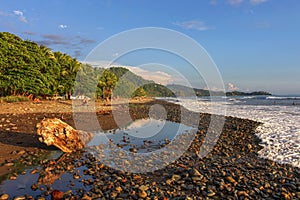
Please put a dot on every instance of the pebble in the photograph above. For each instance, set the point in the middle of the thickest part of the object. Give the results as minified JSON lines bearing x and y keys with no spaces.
{"x":13,"y":178}
{"x":169,"y":181}
{"x":114,"y":194}
{"x":142,"y":194}
{"x":34,"y":171}
{"x":196,"y":179}
{"x":230,"y":179}
{"x":133,"y":150}
{"x":242,"y":193}
{"x":76,"y":176}
{"x":176,"y":177}
{"x":119,"y":189}
{"x":21,"y":152}
{"x":57,"y":195}
{"x":86,"y":197}
{"x":9,"y":164}
{"x":143,"y":187}
{"x":20,"y":198}
{"x":34,"y":187}
{"x":4,"y":197}
{"x":210,"y":194}
{"x":231,"y":171}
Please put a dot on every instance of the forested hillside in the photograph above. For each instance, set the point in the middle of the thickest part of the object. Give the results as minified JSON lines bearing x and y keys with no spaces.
{"x":29,"y":69}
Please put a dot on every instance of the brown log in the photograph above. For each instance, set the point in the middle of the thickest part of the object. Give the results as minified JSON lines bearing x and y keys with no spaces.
{"x":62,"y":135}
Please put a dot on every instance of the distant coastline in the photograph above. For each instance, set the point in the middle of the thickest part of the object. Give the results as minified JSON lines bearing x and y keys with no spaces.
{"x":181,"y":90}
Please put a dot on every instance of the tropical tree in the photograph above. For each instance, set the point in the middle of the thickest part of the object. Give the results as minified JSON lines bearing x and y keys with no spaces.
{"x":106,"y":84}
{"x":24,"y":68}
{"x":27,"y":68}
{"x":69,"y":67}
{"x":139,"y":92}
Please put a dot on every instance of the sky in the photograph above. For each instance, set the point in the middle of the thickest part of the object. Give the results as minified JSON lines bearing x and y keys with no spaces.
{"x":255,"y":44}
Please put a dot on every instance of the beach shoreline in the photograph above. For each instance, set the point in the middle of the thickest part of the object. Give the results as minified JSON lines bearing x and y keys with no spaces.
{"x":233,"y":167}
{"x":18,"y":121}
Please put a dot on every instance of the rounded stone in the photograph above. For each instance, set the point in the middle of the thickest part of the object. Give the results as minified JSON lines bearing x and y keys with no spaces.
{"x":142,"y":194}
{"x":4,"y":197}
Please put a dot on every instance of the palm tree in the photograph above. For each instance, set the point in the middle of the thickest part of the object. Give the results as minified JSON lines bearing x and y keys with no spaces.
{"x":47,"y":52}
{"x":107,"y":82}
{"x":69,"y":68}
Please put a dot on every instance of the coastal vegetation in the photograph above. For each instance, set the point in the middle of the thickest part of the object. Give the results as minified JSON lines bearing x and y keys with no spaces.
{"x":29,"y":70}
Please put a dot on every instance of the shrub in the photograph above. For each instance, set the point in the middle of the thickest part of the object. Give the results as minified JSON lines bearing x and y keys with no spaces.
{"x":11,"y":99}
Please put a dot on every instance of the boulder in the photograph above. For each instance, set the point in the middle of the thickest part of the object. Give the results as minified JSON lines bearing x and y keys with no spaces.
{"x":60,"y":134}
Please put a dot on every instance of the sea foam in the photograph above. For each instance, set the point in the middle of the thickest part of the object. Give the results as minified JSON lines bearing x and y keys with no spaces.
{"x":280,"y":131}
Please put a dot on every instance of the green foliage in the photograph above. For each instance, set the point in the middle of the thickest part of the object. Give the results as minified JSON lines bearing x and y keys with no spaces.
{"x":157,"y":90}
{"x":29,"y":69}
{"x":106,"y":83}
{"x":140,"y":92}
{"x":10,"y":99}
{"x":87,"y":81}
{"x":131,"y":85}
{"x":68,"y":71}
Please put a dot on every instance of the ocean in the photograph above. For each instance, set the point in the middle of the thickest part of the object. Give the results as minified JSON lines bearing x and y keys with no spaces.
{"x":280,"y":117}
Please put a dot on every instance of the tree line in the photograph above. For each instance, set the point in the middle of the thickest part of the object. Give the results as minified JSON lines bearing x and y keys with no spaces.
{"x":29,"y":69}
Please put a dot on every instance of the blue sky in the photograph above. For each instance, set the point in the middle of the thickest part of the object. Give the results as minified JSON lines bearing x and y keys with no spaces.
{"x":254,"y":43}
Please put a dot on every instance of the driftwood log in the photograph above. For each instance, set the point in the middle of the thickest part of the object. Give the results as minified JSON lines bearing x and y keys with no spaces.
{"x":60,"y":134}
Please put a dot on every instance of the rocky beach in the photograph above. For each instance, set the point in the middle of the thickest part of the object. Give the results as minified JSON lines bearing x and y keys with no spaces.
{"x":232,"y":170}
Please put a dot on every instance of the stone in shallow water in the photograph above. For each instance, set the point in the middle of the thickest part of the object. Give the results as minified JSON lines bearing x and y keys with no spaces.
{"x":56,"y":195}
{"x":4,"y":197}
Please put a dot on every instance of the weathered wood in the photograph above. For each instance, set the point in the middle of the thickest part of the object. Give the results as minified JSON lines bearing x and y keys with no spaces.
{"x":62,"y":135}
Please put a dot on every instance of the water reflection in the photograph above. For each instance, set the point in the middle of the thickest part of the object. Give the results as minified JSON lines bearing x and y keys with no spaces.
{"x":144,"y":135}
{"x":68,"y":172}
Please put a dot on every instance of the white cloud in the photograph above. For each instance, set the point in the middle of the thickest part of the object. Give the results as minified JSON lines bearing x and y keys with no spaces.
{"x":63,"y":26}
{"x":235,"y":2}
{"x":255,"y":2}
{"x":19,"y":13}
{"x":157,"y":76}
{"x":231,"y":87}
{"x":194,"y":24}
{"x":23,"y":19}
{"x":213,"y":88}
